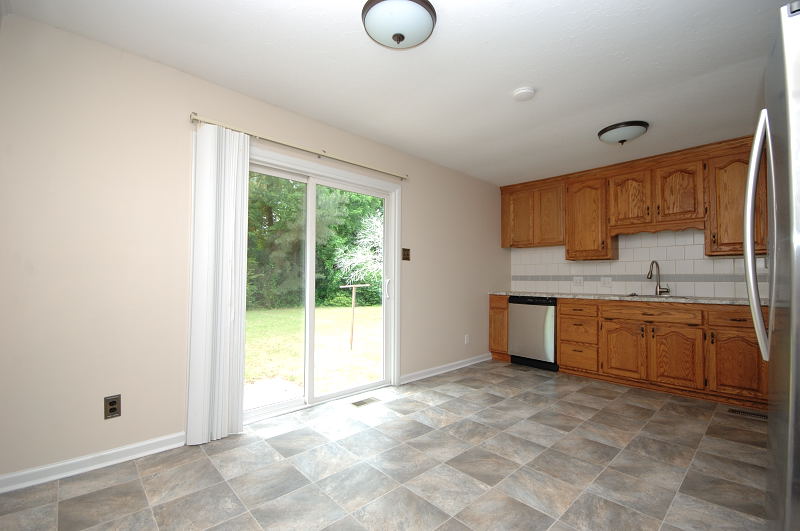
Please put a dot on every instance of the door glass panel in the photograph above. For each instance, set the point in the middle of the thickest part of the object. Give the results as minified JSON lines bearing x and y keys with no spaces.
{"x":275,"y":319}
{"x":348,"y":313}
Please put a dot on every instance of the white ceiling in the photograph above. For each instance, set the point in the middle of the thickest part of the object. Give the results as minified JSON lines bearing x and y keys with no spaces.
{"x":693,"y":69}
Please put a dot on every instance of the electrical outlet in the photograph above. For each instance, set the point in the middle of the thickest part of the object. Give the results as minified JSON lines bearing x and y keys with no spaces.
{"x":112,"y":406}
{"x":466,"y":339}
{"x":605,"y":282}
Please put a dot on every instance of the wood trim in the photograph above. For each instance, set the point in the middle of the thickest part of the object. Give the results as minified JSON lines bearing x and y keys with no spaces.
{"x":501,"y":356}
{"x":693,"y":154}
{"x":755,"y":404}
{"x":657,"y":227}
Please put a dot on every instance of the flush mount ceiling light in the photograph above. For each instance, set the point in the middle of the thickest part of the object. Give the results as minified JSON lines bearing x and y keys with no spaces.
{"x":524,"y":93}
{"x":399,"y":23}
{"x":622,"y":132}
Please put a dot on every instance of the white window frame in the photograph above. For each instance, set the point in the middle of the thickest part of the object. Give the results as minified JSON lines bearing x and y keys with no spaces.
{"x":267,"y":159}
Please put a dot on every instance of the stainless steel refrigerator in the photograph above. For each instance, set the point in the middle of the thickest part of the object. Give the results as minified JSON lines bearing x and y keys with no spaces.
{"x":778,"y":138}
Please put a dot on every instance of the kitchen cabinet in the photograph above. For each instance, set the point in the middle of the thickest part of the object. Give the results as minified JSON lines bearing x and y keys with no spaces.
{"x":548,"y":219}
{"x":679,"y":192}
{"x":577,"y":335}
{"x":498,"y":327}
{"x":533,"y":216}
{"x":734,"y":363}
{"x":726,"y":178}
{"x":587,"y":235}
{"x":675,"y":355}
{"x":630,"y":199}
{"x":700,"y":350}
{"x":623,"y":349}
{"x":664,"y":198}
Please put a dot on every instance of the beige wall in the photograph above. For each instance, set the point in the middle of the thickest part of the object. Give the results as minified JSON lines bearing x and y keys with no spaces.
{"x":95,"y":199}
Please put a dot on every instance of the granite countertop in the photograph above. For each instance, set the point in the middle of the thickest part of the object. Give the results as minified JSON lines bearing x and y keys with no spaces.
{"x":640,"y":298}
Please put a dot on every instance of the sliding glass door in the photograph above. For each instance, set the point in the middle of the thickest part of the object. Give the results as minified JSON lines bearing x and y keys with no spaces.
{"x":316,"y":322}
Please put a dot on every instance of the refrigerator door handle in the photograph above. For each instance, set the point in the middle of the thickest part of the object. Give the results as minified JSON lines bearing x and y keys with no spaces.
{"x":749,"y":237}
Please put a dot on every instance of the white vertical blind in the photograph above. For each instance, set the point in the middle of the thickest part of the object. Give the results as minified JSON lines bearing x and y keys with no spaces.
{"x":219,"y":268}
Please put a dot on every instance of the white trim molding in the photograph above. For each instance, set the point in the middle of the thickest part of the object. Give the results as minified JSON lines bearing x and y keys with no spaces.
{"x":433,"y":371}
{"x":70,"y":467}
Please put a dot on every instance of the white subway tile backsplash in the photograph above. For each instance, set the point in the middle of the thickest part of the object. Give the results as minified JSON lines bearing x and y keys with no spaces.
{"x":675,"y":252}
{"x":724,"y":289}
{"x":703,"y":267}
{"x":666,"y":238}
{"x":684,"y":267}
{"x":704,"y":289}
{"x":694,"y":252}
{"x":641,"y":253}
{"x":681,"y":256}
{"x":723,"y":266}
{"x":684,"y":237}
{"x":740,"y":289}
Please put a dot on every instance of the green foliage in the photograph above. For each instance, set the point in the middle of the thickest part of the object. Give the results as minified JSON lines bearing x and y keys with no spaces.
{"x":276,"y":246}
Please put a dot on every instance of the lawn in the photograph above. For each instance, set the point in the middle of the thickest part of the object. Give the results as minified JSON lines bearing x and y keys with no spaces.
{"x":274,"y":350}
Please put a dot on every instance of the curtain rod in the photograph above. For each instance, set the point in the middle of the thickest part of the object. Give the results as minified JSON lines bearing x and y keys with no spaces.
{"x":194,"y":117}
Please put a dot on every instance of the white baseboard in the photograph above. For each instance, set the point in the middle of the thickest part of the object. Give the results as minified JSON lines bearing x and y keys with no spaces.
{"x":70,"y":467}
{"x":419,"y":375}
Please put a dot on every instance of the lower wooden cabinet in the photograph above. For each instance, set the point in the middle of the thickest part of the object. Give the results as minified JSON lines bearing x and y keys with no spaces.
{"x":498,"y":326}
{"x":676,"y":356}
{"x":734,"y":363}
{"x":623,"y":349}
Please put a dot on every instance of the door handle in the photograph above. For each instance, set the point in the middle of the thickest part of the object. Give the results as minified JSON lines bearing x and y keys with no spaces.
{"x":762,"y":130}
{"x":386,"y":294}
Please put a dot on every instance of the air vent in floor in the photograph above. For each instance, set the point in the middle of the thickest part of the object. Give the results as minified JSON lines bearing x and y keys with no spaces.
{"x":364,"y":402}
{"x":750,"y":414}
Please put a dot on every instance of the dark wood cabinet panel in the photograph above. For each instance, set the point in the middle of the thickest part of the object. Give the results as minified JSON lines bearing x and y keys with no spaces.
{"x":676,"y":356}
{"x":630,"y":199}
{"x":726,"y":179}
{"x":623,"y":349}
{"x":586,"y":221}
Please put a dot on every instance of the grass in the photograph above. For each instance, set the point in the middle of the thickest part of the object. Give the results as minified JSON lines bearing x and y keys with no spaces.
{"x":275,"y":338}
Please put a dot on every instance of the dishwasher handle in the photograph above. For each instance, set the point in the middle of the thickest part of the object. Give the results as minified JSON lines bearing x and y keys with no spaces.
{"x":533,"y":301}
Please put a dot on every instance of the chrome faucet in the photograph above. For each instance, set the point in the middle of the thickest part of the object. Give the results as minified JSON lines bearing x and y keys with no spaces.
{"x":659,"y":289}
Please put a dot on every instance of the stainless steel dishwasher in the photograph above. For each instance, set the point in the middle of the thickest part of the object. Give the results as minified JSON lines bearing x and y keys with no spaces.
{"x":532,"y":331}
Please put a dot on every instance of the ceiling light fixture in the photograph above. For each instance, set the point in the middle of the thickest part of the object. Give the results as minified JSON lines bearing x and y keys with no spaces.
{"x":399,"y":23}
{"x":524,"y":93}
{"x":622,"y":132}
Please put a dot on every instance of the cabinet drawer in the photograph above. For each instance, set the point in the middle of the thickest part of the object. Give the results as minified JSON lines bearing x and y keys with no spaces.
{"x":738,"y":316}
{"x":577,"y":356}
{"x":577,"y":308}
{"x":662,"y":312}
{"x":579,"y":329}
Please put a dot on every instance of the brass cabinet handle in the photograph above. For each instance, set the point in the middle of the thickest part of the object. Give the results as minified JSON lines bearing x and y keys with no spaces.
{"x":642,"y":330}
{"x":713,"y":338}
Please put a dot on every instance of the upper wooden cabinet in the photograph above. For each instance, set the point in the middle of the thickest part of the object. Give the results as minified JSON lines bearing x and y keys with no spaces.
{"x":630,"y":199}
{"x":679,"y":192}
{"x":664,"y":198}
{"x":587,"y":235}
{"x":533,"y":216}
{"x":726,"y":178}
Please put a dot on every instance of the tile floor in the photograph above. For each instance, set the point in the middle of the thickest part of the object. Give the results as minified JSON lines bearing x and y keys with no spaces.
{"x":491,"y":446}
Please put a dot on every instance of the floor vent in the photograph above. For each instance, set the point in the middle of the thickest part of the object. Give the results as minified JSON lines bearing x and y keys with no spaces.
{"x":366,"y":401}
{"x":750,"y":414}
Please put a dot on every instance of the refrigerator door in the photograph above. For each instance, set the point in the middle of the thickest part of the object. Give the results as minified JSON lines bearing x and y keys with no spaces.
{"x":782,"y":91}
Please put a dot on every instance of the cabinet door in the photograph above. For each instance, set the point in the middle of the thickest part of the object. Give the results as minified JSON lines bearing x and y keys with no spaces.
{"x":623,"y":349}
{"x":521,"y":218}
{"x":734,"y":363}
{"x":727,"y":178}
{"x":679,"y":192}
{"x":498,"y":323}
{"x":548,"y":215}
{"x":587,"y":225}
{"x":629,"y":199}
{"x":676,"y":355}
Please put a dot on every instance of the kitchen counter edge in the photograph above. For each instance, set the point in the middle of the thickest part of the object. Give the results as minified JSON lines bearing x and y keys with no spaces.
{"x":638,"y":298}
